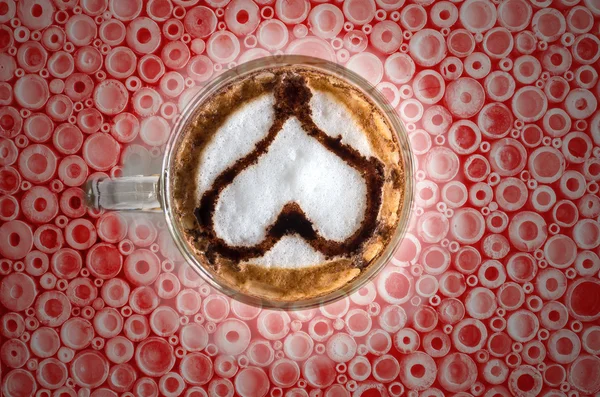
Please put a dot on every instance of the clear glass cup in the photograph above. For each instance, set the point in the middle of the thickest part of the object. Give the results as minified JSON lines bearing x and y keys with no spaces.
{"x":152,"y":193}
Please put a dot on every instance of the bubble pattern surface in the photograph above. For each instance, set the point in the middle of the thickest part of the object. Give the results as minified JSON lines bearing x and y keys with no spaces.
{"x":495,"y":290}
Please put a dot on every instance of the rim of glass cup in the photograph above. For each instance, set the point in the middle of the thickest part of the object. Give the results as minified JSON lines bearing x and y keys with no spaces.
{"x":240,"y":71}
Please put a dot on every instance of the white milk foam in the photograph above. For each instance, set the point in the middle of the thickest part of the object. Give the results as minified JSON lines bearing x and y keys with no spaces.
{"x":290,"y":252}
{"x":236,"y":138}
{"x":334,"y":119}
{"x":295,"y":168}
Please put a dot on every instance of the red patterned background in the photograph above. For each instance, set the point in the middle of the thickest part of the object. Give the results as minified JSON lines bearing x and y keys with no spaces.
{"x":495,"y":290}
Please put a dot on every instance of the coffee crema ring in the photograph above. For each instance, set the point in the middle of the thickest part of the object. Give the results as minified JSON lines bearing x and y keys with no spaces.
{"x":292,"y":98}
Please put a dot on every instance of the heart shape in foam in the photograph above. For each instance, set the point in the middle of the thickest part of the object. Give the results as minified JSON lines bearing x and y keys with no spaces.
{"x":298,"y":180}
{"x":295,"y":169}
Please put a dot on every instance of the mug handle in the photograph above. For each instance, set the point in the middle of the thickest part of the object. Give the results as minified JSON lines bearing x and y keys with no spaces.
{"x":140,"y":193}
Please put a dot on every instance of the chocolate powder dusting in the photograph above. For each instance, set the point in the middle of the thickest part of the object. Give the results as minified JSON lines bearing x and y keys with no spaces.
{"x":292,"y":98}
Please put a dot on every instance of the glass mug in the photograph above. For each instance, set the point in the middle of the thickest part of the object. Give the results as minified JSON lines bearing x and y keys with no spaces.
{"x":152,"y":193}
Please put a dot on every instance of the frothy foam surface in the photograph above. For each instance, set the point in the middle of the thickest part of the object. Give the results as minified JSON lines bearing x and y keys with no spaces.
{"x":296,"y":168}
{"x":290,"y":252}
{"x":236,"y":138}
{"x":334,"y":119}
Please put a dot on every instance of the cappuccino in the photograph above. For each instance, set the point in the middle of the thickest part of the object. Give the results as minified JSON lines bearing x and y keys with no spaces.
{"x":288,"y":183}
